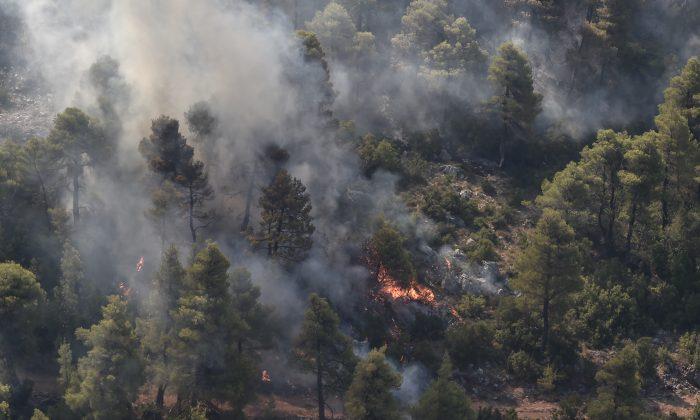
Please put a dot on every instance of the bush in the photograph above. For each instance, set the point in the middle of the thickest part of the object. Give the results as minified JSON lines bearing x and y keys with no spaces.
{"x":471,"y":306}
{"x":523,"y":366}
{"x":648,"y":359}
{"x":603,"y":315}
{"x":547,"y":382}
{"x":377,"y":154}
{"x":470,"y":342}
{"x":440,"y":201}
{"x":569,"y":408}
{"x":689,"y":346}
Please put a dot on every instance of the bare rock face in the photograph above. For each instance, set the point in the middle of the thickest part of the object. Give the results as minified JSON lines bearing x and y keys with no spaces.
{"x":462,"y":276}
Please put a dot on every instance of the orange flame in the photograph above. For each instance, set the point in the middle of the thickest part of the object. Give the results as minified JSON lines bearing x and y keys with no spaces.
{"x":266,"y":376}
{"x":124,"y":289}
{"x":139,"y":265}
{"x":415,"y":291}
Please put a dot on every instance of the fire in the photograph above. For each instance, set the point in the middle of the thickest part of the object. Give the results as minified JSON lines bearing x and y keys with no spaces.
{"x":139,"y":265}
{"x":124,"y":289}
{"x":266,"y":376}
{"x":415,"y":291}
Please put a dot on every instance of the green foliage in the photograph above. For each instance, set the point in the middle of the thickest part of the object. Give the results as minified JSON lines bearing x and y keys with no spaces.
{"x":549,"y":267}
{"x":515,"y":101}
{"x":604,"y":314}
{"x":369,"y":395}
{"x":470,"y":342}
{"x":618,"y":389}
{"x":322,"y":349}
{"x":547,"y":382}
{"x":81,"y":142}
{"x":378,"y":154}
{"x":689,"y":346}
{"x":648,"y":359}
{"x":207,"y":363}
{"x":471,"y":306}
{"x":523,"y":366}
{"x":444,"y":204}
{"x":335,"y":30}
{"x":156,"y":329}
{"x":683,"y":94}
{"x":109,"y":375}
{"x":285,"y":226}
{"x":444,"y":398}
{"x":20,"y":297}
{"x":39,"y":415}
{"x":388,"y":247}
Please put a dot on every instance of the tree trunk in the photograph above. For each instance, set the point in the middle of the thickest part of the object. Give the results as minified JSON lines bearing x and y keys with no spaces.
{"x":76,"y":196}
{"x":545,"y":320}
{"x":319,"y":384}
{"x":160,"y":397}
{"x":630,"y":225}
{"x":249,"y":199}
{"x":664,"y":202}
{"x":193,"y":231}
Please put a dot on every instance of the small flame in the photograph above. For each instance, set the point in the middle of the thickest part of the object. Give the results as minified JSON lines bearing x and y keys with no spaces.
{"x":139,"y":265}
{"x":414,"y":291}
{"x":124,"y":290}
{"x":266,"y":376}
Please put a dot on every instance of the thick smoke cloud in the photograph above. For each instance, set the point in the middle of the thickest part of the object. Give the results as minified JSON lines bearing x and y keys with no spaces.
{"x":243,"y":63}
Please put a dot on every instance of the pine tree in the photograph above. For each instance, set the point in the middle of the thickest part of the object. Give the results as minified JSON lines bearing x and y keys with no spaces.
{"x":285,"y":225}
{"x":619,"y":384}
{"x":515,"y":100}
{"x":81,"y":142}
{"x":207,"y":364}
{"x":20,"y":297}
{"x":109,"y":375}
{"x":388,"y":251}
{"x":257,"y":328}
{"x":444,"y":399}
{"x":73,"y":296}
{"x":549,"y":267}
{"x":683,"y":94}
{"x":157,"y":329}
{"x":169,"y":155}
{"x":369,"y":396}
{"x":335,"y":30}
{"x":323,"y":349}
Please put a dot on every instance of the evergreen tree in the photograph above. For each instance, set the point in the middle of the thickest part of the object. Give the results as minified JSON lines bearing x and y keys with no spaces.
{"x":169,"y":155}
{"x":81,"y":142}
{"x":683,"y":93}
{"x":618,"y":388}
{"x":74,"y":296}
{"x":335,"y":30}
{"x":257,"y":324}
{"x":515,"y":101}
{"x":444,"y":399}
{"x":157,"y":329}
{"x":369,"y":396}
{"x":459,"y":54}
{"x":20,"y":297}
{"x":422,"y":27}
{"x":549,"y":267}
{"x":207,"y":364}
{"x":323,"y":349}
{"x":109,"y":375}
{"x":387,"y":249}
{"x":285,"y":225}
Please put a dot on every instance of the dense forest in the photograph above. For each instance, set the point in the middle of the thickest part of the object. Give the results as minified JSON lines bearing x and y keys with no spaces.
{"x":358,"y":209}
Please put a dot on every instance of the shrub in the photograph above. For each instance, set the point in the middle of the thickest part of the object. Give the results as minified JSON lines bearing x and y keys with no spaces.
{"x":523,"y":366}
{"x":471,"y":306}
{"x":470,"y":342}
{"x":547,"y":381}
{"x":689,"y":346}
{"x":648,"y":359}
